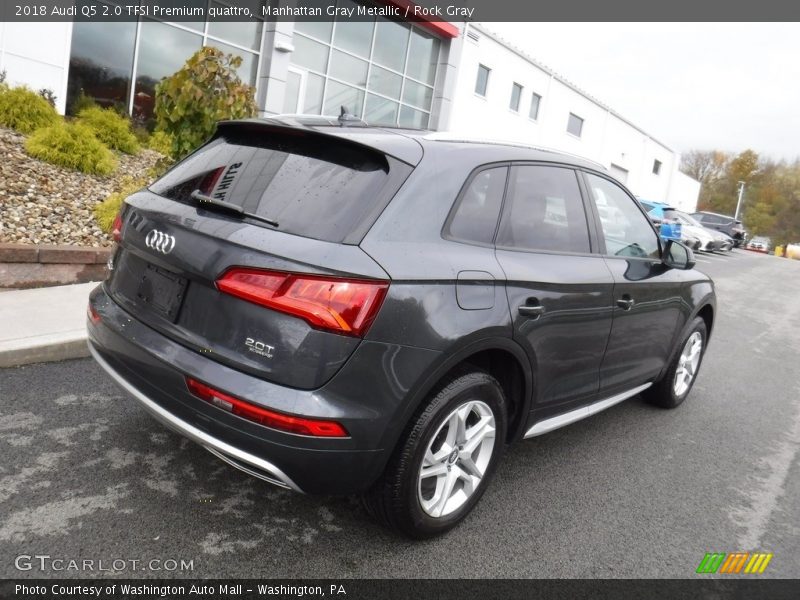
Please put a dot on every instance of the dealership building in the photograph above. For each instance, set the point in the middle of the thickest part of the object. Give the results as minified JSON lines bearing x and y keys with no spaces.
{"x":455,"y":77}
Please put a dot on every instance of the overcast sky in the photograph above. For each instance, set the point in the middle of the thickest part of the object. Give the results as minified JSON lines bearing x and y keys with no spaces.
{"x":727,"y":86}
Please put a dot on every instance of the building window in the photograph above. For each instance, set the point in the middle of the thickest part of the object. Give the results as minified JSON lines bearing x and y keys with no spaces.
{"x":575,"y":125}
{"x":535,"y":100}
{"x":381,"y":71}
{"x":656,"y":167}
{"x":516,"y":94}
{"x":482,"y":82}
{"x":102,"y":64}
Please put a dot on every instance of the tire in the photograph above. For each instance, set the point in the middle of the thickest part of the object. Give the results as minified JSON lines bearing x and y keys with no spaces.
{"x":669,"y":392}
{"x":405,"y":501}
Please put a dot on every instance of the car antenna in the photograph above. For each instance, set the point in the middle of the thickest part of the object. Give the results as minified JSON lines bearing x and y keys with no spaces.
{"x":345,"y":118}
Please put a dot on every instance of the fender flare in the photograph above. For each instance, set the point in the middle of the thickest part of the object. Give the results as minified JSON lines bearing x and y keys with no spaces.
{"x":707,"y":300}
{"x":446,"y":363}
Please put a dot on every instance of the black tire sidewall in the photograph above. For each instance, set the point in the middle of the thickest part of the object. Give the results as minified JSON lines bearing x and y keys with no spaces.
{"x":698,"y":325}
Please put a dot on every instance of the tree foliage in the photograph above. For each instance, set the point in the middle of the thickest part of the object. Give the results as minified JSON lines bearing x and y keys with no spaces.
{"x":771,"y":200}
{"x":205,"y":90}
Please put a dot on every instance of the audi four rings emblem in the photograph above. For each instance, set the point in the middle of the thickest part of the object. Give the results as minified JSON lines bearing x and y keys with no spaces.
{"x":160,"y":241}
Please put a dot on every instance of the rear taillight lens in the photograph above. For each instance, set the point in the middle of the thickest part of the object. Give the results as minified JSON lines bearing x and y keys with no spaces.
{"x":116,"y":227}
{"x":93,"y":315}
{"x":346,"y":306}
{"x":268,"y":418}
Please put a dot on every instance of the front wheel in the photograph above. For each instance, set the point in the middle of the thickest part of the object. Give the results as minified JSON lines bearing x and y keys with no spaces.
{"x":442,"y":467}
{"x":677,"y":382}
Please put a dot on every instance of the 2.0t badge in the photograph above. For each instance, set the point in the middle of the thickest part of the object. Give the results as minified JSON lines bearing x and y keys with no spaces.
{"x":160,"y":241}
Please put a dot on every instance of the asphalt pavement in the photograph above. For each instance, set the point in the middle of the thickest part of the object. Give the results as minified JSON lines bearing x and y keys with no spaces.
{"x":634,"y":491}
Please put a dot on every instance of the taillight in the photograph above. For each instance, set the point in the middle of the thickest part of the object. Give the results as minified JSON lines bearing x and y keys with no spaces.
{"x":116,"y":227}
{"x":268,"y":418}
{"x":346,"y":306}
{"x":93,"y":315}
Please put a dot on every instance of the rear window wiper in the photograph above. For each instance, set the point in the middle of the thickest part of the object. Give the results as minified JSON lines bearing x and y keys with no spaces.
{"x":234,"y":208}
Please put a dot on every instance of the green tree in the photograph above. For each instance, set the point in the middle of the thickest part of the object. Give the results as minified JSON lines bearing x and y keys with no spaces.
{"x":205,"y":90}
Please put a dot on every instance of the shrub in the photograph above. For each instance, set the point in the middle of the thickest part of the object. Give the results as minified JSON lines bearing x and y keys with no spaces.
{"x":105,"y":211}
{"x":25,"y":110}
{"x":161,"y":142}
{"x":110,"y":128}
{"x":81,"y":102}
{"x":205,"y":90}
{"x":71,"y":145}
{"x":3,"y":85}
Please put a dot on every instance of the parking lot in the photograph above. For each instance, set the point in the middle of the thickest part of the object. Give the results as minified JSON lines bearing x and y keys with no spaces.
{"x":635,"y":491}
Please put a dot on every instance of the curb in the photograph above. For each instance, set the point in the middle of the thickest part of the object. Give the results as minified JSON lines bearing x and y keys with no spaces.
{"x":58,"y":347}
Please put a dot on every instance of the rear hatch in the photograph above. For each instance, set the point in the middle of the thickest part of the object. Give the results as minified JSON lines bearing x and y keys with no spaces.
{"x":247,"y":251}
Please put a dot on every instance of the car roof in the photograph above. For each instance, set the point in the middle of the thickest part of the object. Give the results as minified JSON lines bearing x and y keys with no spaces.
{"x":409,"y":145}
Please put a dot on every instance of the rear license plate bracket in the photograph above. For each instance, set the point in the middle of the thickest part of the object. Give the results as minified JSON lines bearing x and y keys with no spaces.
{"x":161,"y":291}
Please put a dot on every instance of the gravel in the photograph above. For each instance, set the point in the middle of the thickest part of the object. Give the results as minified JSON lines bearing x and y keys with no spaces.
{"x":44,"y":204}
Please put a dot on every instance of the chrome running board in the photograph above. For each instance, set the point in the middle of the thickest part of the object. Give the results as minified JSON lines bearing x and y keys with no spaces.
{"x":567,"y":418}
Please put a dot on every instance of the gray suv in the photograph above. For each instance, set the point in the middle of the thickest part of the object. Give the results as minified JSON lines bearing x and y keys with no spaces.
{"x":342,"y":310}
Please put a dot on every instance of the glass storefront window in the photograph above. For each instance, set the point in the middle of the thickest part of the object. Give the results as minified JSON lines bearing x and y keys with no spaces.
{"x":100,"y":63}
{"x":315,"y":85}
{"x":317,"y":29}
{"x":349,"y":68}
{"x":248,"y":71}
{"x":417,"y":94}
{"x":338,"y":95}
{"x":291,"y":94}
{"x":353,"y":36}
{"x":243,"y":33}
{"x":385,"y":82}
{"x":414,"y":119}
{"x":162,"y":50}
{"x":381,"y":111}
{"x":391,"y":44}
{"x":381,"y":68}
{"x":422,"y":57}
{"x":310,"y":54}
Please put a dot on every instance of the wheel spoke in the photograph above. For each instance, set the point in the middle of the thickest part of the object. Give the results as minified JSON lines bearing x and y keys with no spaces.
{"x":435,"y":470}
{"x":469,"y":467}
{"x":447,"y":490}
{"x":478,"y":433}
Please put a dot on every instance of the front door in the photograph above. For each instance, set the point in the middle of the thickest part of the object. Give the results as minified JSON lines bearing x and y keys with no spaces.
{"x":647,"y":299}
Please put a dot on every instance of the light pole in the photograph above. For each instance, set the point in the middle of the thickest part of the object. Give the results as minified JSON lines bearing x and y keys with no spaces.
{"x":739,"y":203}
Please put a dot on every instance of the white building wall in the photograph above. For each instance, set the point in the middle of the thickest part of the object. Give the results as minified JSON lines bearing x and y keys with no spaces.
{"x":37,"y":55}
{"x":683,"y":192}
{"x":606,"y":138}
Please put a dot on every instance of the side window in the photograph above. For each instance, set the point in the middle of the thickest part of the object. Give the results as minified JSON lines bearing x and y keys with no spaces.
{"x":626,"y":230}
{"x":475,"y":216}
{"x":544,"y":211}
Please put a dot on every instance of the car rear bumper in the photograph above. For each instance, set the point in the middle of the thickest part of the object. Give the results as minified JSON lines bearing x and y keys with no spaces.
{"x":152,"y":369}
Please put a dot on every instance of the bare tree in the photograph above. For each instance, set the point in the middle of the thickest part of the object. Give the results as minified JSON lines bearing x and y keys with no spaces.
{"x":706,"y":166}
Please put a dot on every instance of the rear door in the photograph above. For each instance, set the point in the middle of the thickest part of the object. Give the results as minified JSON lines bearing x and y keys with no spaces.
{"x":284,"y":301}
{"x":559,"y":292}
{"x":646,"y":294}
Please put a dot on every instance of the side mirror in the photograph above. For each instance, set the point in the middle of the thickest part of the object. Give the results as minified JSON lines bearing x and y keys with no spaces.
{"x":677,"y":256}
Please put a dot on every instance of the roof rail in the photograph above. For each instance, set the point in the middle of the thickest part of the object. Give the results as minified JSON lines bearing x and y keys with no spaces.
{"x":447,"y":136}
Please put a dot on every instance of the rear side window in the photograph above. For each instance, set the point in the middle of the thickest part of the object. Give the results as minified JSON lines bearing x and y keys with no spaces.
{"x":544,"y":211}
{"x":475,"y":216}
{"x":312,"y":185}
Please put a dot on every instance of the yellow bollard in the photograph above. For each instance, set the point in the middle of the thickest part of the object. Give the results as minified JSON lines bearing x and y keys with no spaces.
{"x":778,"y":250}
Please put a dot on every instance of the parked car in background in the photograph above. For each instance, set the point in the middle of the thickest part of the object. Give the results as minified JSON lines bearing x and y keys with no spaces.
{"x":710,"y":239}
{"x":728,"y":225}
{"x":342,"y":310}
{"x":759,"y":244}
{"x":660,"y":213}
{"x":668,"y":228}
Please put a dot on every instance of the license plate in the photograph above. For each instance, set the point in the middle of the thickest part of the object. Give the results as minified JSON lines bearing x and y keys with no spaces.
{"x":161,"y":291}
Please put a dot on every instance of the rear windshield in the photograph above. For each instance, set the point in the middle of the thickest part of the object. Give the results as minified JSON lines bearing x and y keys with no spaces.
{"x":312,"y":185}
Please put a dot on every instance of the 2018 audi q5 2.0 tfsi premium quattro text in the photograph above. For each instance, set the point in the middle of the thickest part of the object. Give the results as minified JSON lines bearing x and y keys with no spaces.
{"x":351,"y":309}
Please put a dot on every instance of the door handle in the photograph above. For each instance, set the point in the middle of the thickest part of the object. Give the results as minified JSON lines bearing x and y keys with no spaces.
{"x":626,"y":302}
{"x":533,"y":312}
